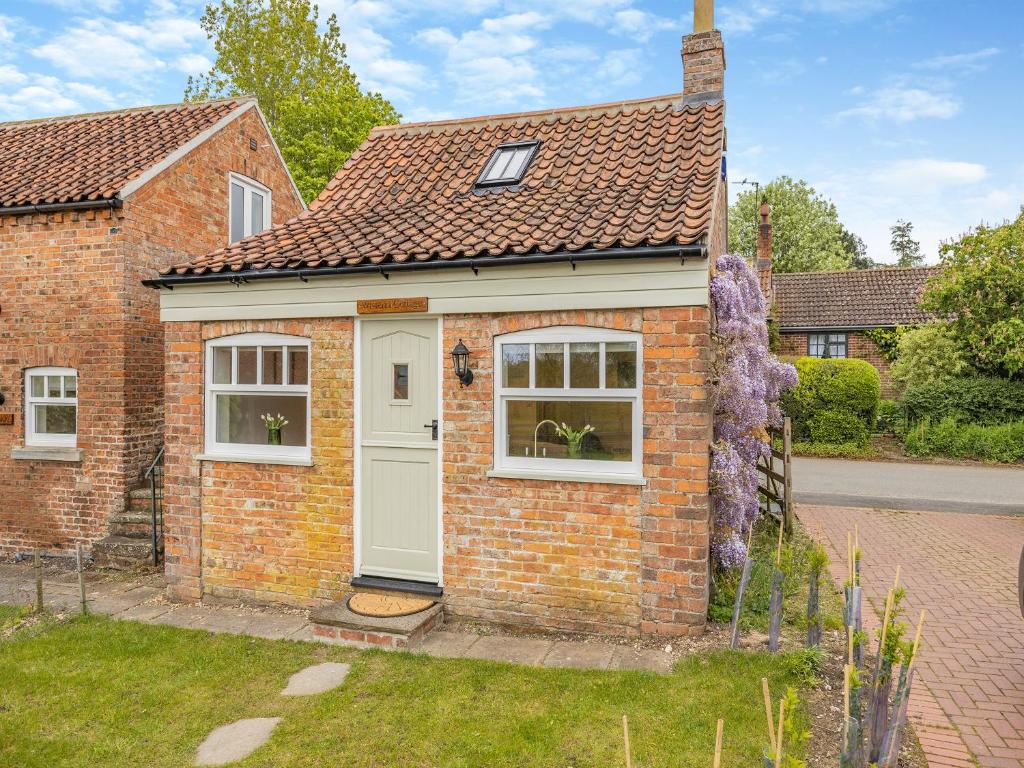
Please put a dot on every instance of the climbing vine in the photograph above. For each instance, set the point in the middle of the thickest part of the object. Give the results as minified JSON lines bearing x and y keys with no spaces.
{"x":888,"y":340}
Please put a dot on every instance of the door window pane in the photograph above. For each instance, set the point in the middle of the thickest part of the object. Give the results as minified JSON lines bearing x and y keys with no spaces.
{"x":55,"y":419}
{"x":400,"y":378}
{"x":585,"y":365}
{"x":247,"y":365}
{"x":222,"y":365}
{"x":237,"y":212}
{"x":620,"y":365}
{"x":239,"y":422}
{"x":535,"y":430}
{"x":273,"y":365}
{"x":550,"y":365}
{"x":298,"y":365}
{"x":515,"y":360}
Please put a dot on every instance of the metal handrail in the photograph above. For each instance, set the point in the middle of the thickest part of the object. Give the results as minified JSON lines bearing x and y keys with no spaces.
{"x":155,"y":475}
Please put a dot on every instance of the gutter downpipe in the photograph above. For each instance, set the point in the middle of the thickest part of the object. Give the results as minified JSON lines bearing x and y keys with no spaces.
{"x":78,"y":205}
{"x":475,"y":264}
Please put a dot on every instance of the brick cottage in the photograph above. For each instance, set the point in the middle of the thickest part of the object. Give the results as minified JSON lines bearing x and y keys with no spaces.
{"x":489,"y":343}
{"x":89,"y":205}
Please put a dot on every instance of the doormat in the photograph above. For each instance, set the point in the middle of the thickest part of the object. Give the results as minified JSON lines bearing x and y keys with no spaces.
{"x":386,"y":606}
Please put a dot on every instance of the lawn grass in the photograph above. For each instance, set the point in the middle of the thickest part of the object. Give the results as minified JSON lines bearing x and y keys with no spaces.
{"x":93,"y":691}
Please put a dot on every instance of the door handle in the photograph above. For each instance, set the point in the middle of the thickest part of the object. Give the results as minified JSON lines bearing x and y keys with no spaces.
{"x":433,"y":429}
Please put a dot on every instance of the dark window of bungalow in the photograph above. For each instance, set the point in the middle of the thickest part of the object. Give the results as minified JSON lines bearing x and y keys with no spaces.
{"x":827,"y":344}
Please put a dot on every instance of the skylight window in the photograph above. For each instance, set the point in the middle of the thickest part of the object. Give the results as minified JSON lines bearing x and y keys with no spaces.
{"x":508,"y":164}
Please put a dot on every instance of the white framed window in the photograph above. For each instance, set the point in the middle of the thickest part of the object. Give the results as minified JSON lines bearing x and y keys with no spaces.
{"x":248,"y":207}
{"x":569,"y":400}
{"x":827,"y":344}
{"x":51,"y":407}
{"x":249,"y":378}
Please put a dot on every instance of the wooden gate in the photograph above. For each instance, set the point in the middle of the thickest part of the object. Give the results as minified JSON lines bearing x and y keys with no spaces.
{"x":775,"y":485}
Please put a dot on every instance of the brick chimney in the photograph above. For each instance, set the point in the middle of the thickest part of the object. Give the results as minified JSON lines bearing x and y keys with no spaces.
{"x":764,"y":249}
{"x":703,"y":57}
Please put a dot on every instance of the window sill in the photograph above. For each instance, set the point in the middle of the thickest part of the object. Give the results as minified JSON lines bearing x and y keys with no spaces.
{"x":47,"y":453}
{"x":289,"y":461}
{"x":572,"y":477}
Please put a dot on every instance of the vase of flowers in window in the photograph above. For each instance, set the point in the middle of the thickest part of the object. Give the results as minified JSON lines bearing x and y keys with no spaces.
{"x":573,"y":438}
{"x":274,"y":425}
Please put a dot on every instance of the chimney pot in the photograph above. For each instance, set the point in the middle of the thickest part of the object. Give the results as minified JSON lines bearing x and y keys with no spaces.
{"x":703,"y":15}
{"x":764,"y":248}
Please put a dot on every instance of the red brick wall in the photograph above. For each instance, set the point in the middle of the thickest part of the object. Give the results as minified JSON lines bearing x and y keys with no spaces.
{"x":858,"y":346}
{"x":589,"y":557}
{"x":72,"y":297}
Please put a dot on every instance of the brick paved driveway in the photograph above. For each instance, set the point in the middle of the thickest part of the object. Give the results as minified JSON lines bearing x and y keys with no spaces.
{"x":961,"y":569}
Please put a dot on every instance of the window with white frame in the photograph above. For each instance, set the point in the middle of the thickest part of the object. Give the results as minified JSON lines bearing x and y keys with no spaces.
{"x":51,"y":407}
{"x":827,"y":344}
{"x":569,"y":400}
{"x":257,"y":396}
{"x":248,"y":207}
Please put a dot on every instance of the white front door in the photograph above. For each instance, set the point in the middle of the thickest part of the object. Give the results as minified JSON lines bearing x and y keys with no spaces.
{"x":399,"y":480}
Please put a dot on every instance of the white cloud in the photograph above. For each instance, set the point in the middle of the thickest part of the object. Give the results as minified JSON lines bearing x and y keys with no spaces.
{"x":641,"y":25}
{"x":903,"y":104}
{"x":41,"y":96}
{"x":975,"y":61}
{"x":192,"y":63}
{"x":905,"y":177}
{"x":103,"y":6}
{"x":11,"y":75}
{"x":746,"y":16}
{"x":621,"y":67}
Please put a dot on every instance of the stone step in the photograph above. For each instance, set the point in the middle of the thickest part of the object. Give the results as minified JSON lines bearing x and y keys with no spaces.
{"x":141,"y":499}
{"x":133,"y":525}
{"x":335,"y":623}
{"x":124,"y":552}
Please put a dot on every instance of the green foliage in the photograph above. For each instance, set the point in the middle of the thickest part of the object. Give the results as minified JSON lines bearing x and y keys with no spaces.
{"x":274,"y":50}
{"x":892,"y":418}
{"x":806,"y":233}
{"x":981,"y":290}
{"x":835,"y":425}
{"x":978,"y":400}
{"x":887,"y":340}
{"x":794,"y":734}
{"x":805,"y":664}
{"x":857,"y":249}
{"x":927,"y":354}
{"x":904,"y":247}
{"x":834,"y":450}
{"x":1003,"y":443}
{"x":849,"y":385}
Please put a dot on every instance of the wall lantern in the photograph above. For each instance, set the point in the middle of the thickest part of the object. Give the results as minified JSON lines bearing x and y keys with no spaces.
{"x":460,"y":359}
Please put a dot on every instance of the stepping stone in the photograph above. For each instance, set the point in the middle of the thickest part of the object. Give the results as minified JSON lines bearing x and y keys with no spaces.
{"x":233,"y":742}
{"x":316,"y":679}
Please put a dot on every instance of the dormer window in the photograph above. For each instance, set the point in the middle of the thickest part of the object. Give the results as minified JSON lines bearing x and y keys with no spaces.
{"x":508,"y":164}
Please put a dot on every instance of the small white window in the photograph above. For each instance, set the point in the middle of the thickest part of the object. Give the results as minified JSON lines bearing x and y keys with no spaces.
{"x":508,"y":164}
{"x":569,"y":400}
{"x":257,"y":397}
{"x":248,"y":207}
{"x":51,"y":407}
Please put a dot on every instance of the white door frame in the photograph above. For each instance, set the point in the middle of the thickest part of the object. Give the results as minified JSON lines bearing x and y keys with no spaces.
{"x":357,"y":451}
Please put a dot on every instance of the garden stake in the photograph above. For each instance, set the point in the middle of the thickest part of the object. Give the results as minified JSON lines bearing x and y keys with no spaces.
{"x":718,"y":744}
{"x":37,"y":564}
{"x":814,"y":628}
{"x":778,"y":736}
{"x":768,"y":712}
{"x":881,"y":686}
{"x":748,"y":565}
{"x":891,"y":742}
{"x":625,"y":734}
{"x":81,"y":577}
{"x":775,"y":610}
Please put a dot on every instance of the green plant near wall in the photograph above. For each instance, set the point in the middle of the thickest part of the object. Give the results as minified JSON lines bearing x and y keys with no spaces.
{"x":847,"y":390}
{"x":888,"y":340}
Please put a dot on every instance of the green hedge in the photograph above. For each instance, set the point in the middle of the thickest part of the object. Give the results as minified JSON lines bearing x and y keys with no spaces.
{"x":847,"y":390}
{"x":1004,"y":442}
{"x":978,"y":400}
{"x":837,"y":426}
{"x":834,"y":450}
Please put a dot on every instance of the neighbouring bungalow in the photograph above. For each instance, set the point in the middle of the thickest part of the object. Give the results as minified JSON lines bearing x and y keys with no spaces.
{"x":89,"y":205}
{"x":477,"y":368}
{"x":827,"y":314}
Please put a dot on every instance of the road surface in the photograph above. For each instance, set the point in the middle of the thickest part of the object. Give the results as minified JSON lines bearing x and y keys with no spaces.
{"x":894,"y":485}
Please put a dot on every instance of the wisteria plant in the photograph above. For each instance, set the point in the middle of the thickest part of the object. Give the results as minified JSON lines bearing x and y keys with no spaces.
{"x":750,"y":383}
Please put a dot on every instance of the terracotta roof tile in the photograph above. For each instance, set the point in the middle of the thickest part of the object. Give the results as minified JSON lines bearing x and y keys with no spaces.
{"x":91,"y":157}
{"x":857,"y":298}
{"x":631,"y":174}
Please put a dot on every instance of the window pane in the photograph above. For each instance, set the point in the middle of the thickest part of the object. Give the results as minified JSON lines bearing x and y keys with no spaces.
{"x":70,"y":386}
{"x":237,"y":212}
{"x":585,"y":365}
{"x":222,"y":365}
{"x":515,"y":166}
{"x":298,"y":365}
{"x":550,"y":365}
{"x":247,"y":365}
{"x":55,"y":419}
{"x":256,"y":224}
{"x":610,"y":437}
{"x":620,"y":365}
{"x":38,"y":386}
{"x":500,"y":164}
{"x":400,"y":376}
{"x":273,"y":365}
{"x":239,"y":422}
{"x":53,"y":388}
{"x":816,"y":345}
{"x":515,"y":360}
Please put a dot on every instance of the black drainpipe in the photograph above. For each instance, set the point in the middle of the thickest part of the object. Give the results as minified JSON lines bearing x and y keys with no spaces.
{"x":78,"y":205}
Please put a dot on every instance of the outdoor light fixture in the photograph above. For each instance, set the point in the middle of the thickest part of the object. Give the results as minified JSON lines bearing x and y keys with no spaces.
{"x":2,"y":398}
{"x":460,"y":359}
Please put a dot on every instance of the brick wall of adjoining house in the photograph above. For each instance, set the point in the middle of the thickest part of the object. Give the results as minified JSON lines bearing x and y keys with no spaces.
{"x":586,"y":557}
{"x":858,"y":346}
{"x":61,"y":283}
{"x":72,"y":297}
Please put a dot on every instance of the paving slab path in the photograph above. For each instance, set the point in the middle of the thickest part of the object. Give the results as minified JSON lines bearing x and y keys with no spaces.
{"x":318,"y":678}
{"x":235,"y":741}
{"x":140,"y":598}
{"x":968,"y":701}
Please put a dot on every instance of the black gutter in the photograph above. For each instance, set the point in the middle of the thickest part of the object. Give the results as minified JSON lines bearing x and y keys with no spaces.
{"x":77,"y":205}
{"x":564,"y":257}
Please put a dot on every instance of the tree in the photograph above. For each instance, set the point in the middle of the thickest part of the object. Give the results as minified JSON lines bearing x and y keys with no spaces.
{"x":273,"y":50}
{"x":928,"y":353}
{"x":981,"y":291}
{"x":857,"y":250}
{"x":904,"y":247}
{"x":806,"y":233}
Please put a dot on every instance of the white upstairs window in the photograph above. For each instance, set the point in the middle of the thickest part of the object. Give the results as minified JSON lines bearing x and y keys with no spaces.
{"x":248,"y":207}
{"x":51,"y":407}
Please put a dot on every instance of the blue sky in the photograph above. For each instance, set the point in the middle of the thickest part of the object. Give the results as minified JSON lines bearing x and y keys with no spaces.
{"x":894,"y":108}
